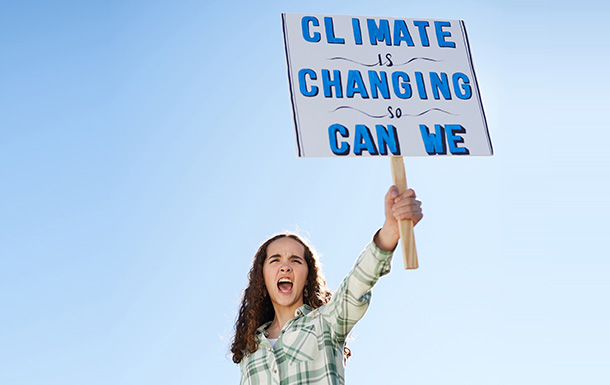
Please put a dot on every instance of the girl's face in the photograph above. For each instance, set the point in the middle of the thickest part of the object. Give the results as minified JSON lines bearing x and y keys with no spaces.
{"x":285,"y":272}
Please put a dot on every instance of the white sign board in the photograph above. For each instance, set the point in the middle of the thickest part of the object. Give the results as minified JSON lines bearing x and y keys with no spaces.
{"x":363,"y":86}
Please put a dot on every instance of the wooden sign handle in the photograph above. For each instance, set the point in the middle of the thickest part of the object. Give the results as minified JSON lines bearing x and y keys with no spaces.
{"x":407,"y":238}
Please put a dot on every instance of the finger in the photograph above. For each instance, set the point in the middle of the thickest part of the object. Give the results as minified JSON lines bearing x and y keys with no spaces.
{"x":400,"y":208}
{"x":409,"y":193}
{"x":406,"y":210}
{"x":414,"y":216}
{"x":407,"y":202}
{"x":392,"y":193}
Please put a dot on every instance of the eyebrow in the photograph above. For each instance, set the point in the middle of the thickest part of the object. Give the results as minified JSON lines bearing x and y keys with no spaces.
{"x":291,"y":257}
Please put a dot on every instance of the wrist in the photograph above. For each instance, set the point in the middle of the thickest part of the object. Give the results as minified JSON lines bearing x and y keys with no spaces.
{"x":387,"y":238}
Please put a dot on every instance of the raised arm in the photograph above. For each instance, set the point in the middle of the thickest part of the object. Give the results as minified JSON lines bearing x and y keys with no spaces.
{"x":352,"y":298}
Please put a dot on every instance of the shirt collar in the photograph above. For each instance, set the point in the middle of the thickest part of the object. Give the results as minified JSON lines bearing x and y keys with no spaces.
{"x":263,"y":328}
{"x":303,"y":310}
{"x":300,"y":312}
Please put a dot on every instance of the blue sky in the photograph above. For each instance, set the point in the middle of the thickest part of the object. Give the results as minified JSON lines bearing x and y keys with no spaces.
{"x":146,"y":150}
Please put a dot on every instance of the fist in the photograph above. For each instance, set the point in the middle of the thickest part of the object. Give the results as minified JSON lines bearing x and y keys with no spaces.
{"x":402,"y":206}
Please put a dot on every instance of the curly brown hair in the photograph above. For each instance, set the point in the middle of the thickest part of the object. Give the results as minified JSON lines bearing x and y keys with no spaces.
{"x":256,"y":307}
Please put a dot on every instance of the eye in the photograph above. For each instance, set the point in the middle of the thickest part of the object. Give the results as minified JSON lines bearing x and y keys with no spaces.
{"x":297,"y":260}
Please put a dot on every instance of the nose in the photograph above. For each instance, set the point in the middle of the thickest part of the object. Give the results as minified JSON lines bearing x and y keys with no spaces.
{"x":285,"y":269}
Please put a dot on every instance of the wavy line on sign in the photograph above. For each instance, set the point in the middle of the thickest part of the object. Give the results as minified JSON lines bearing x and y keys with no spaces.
{"x":383,"y":116}
{"x":431,"y":109}
{"x":418,"y":58}
{"x":362,"y":112}
{"x":377,"y":63}
{"x":353,"y":61}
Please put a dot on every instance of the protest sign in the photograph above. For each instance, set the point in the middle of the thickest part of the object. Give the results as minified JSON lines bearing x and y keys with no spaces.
{"x":363,"y":86}
{"x":377,"y":86}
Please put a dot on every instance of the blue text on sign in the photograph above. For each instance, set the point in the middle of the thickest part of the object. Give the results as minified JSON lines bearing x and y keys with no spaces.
{"x":383,"y":31}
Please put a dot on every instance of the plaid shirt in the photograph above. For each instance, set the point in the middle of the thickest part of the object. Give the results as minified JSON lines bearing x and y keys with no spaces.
{"x":310,"y":347}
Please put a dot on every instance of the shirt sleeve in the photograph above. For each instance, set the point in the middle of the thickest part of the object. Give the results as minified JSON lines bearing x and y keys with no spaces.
{"x":242,"y":369}
{"x":352,"y":298}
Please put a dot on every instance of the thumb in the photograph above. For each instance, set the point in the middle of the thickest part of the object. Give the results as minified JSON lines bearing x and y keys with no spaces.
{"x":391,"y":194}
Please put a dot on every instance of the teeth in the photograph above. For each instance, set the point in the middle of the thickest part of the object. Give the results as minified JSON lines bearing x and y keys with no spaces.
{"x":282,"y":280}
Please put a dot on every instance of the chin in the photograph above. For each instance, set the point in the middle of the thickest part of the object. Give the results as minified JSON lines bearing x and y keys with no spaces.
{"x":287,"y":302}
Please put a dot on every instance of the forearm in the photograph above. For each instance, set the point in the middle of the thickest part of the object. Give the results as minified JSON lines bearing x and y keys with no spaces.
{"x":351,"y":300}
{"x":386,"y":238}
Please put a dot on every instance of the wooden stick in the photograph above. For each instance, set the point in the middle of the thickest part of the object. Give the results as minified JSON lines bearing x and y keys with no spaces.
{"x":407,"y":238}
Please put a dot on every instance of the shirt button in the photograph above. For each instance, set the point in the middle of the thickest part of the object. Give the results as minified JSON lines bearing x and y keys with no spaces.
{"x":275,"y":371}
{"x":283,"y":330}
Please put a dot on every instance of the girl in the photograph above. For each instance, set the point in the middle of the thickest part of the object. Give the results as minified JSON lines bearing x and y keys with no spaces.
{"x":290,"y":330}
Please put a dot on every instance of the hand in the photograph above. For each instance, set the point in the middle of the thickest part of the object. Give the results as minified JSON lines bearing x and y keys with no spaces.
{"x":397,"y":207}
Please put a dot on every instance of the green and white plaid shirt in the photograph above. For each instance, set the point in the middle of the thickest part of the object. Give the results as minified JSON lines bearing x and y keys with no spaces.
{"x":309,"y":349}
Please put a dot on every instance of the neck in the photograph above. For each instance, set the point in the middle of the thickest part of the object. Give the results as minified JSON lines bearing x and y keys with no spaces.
{"x":283,"y":314}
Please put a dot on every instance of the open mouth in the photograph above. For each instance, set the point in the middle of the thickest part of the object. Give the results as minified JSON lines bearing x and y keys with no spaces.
{"x":284,"y":285}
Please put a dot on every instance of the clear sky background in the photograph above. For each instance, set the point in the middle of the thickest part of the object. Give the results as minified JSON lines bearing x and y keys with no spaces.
{"x":147,"y":149}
